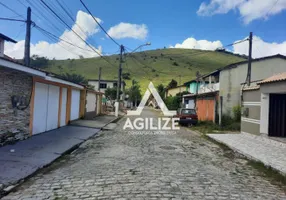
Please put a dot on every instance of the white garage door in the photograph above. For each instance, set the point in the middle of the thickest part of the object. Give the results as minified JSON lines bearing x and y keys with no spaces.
{"x":75,"y":102}
{"x":53,"y":107}
{"x":46,"y":107}
{"x":90,"y":102}
{"x":40,"y":108}
{"x":63,"y":107}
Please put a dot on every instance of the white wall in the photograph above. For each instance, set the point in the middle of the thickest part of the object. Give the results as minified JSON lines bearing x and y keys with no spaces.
{"x":90,"y":102}
{"x":264,"y":113}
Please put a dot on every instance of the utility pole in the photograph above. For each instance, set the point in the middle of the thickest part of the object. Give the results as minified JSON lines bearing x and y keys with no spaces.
{"x":180,"y":83}
{"x":28,"y":38}
{"x":99,"y":78}
{"x":117,"y":105}
{"x":119,"y":74}
{"x":248,"y":79}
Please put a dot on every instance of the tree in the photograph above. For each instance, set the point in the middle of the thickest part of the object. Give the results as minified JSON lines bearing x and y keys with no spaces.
{"x":161,"y":90}
{"x":134,"y":92}
{"x":110,"y":93}
{"x":76,"y":78}
{"x":173,"y":83}
{"x":39,"y":62}
{"x":126,"y":76}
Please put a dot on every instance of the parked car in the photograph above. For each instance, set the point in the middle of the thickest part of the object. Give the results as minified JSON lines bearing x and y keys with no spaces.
{"x":187,"y":116}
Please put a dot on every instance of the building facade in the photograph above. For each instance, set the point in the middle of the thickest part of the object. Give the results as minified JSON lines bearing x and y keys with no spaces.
{"x":232,"y":78}
{"x":104,"y":84}
{"x":264,"y":107}
{"x":174,"y":91}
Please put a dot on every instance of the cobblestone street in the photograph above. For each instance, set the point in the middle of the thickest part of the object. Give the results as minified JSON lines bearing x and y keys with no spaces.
{"x":118,"y":165}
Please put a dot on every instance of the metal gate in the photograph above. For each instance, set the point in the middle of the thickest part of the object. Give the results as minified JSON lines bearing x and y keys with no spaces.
{"x":277,"y":115}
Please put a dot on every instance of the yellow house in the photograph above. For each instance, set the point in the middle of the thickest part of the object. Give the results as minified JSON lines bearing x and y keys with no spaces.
{"x":173,"y":91}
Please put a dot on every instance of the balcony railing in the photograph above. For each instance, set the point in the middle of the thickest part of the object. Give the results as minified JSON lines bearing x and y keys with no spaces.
{"x":205,"y":88}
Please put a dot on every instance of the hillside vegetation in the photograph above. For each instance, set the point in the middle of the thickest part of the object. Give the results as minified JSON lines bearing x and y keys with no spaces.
{"x":158,"y":66}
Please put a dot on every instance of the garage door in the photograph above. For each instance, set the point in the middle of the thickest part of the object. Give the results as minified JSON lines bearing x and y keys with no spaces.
{"x":277,"y":115}
{"x":75,"y":102}
{"x":46,"y":107}
{"x":40,"y":108}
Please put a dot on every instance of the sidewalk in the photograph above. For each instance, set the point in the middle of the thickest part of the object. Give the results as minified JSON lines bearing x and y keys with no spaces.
{"x":24,"y":158}
{"x":269,"y":152}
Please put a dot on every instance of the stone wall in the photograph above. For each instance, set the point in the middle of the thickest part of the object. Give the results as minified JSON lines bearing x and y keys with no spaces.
{"x":14,"y":121}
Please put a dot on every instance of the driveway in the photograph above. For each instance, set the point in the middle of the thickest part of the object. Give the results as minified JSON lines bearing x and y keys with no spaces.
{"x":120,"y":165}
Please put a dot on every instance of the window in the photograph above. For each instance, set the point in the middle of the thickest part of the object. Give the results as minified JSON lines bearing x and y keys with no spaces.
{"x":188,"y":112}
{"x":103,"y":85}
{"x":114,"y":84}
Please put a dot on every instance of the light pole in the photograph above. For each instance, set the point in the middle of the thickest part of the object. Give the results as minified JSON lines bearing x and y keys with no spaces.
{"x":122,"y":48}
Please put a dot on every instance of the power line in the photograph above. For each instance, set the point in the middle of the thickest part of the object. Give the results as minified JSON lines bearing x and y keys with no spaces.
{"x":74,"y":31}
{"x":54,"y":36}
{"x":99,"y":23}
{"x":9,"y":19}
{"x":11,"y":10}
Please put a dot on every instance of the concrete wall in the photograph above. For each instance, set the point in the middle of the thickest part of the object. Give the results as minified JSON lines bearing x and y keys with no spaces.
{"x":90,"y":102}
{"x":250,"y":123}
{"x":14,"y":123}
{"x":231,"y":80}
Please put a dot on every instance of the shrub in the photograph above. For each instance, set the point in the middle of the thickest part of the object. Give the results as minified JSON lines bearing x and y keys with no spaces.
{"x":237,"y":113}
{"x":175,"y":64}
{"x":153,"y":70}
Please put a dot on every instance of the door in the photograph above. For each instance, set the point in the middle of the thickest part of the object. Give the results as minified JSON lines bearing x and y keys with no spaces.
{"x":53,"y":107}
{"x":40,"y":108}
{"x":75,"y":103}
{"x":63,"y":107}
{"x":277,"y":115}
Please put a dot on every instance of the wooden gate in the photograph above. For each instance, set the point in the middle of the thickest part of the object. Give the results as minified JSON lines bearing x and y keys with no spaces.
{"x":277,"y":115}
{"x":205,"y":109}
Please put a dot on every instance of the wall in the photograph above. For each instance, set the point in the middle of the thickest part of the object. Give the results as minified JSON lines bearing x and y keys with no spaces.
{"x":109,"y":85}
{"x":174,"y":91}
{"x":193,"y":87}
{"x":14,"y":123}
{"x":251,"y":123}
{"x":231,"y":79}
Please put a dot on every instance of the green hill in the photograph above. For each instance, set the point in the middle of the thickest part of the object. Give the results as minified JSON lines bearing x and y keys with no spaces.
{"x":158,"y":66}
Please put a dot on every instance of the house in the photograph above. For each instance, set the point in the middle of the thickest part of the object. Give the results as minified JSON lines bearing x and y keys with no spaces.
{"x":175,"y":90}
{"x":233,"y":77}
{"x":264,"y":106}
{"x":104,"y":84}
{"x":203,"y":96}
{"x":34,"y":101}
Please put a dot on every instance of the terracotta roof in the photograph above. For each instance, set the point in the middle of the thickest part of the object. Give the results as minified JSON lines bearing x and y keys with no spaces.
{"x":275,"y":78}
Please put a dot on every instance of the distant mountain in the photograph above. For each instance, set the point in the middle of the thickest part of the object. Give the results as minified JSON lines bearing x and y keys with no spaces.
{"x":158,"y":66}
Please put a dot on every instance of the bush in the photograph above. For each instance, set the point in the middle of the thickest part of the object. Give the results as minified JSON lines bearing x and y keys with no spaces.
{"x":153,"y":70}
{"x":237,"y":113}
{"x":175,"y":64}
{"x":172,"y":103}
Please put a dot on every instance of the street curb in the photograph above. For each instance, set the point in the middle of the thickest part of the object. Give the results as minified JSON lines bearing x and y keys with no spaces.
{"x":12,"y":187}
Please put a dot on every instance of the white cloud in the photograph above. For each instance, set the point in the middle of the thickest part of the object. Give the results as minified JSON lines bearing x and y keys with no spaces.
{"x":192,"y":43}
{"x":56,"y":50}
{"x":249,"y":9}
{"x":260,"y":48}
{"x":127,"y":30}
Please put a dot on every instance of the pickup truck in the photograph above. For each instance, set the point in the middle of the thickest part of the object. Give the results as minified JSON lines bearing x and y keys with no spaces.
{"x":187,"y":116}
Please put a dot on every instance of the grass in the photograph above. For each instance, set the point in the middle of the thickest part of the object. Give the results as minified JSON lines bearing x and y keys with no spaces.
{"x":271,"y":174}
{"x":206,"y":127}
{"x":155,"y":65}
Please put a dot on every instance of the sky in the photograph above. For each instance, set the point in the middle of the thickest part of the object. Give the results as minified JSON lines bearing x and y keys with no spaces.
{"x":191,"y":24}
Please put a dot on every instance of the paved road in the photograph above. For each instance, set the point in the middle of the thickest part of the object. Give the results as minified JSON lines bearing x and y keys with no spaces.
{"x":118,"y":165}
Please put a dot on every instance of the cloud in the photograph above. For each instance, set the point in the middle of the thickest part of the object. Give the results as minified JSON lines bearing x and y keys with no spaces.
{"x":127,"y":30}
{"x":249,"y":9}
{"x":260,"y":48}
{"x":58,"y":50}
{"x":192,"y":43}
